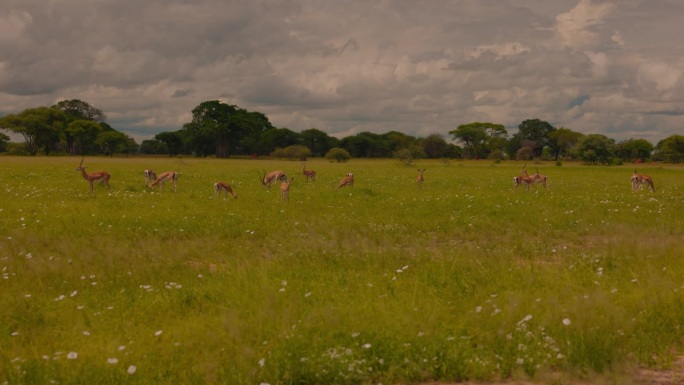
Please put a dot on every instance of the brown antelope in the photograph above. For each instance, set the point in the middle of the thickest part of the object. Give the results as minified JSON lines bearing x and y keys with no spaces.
{"x":420,"y":178}
{"x":346,"y":181}
{"x":162,"y":179}
{"x":308,"y":173}
{"x":524,"y":178}
{"x":220,"y":187}
{"x":268,"y":179}
{"x":285,"y":189}
{"x":638,"y":180}
{"x":150,"y":176}
{"x":99,"y":176}
{"x":539,"y":178}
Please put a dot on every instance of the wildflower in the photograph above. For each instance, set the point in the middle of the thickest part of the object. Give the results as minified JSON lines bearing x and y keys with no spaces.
{"x":131,"y":369}
{"x":262,"y":362}
{"x":478,"y":309}
{"x":158,"y":332}
{"x":112,"y":361}
{"x":72,"y":355}
{"x":566,"y":321}
{"x":366,"y":346}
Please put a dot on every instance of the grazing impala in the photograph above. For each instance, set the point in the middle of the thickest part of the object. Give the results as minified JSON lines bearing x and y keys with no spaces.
{"x":638,"y":180}
{"x":420,"y":178}
{"x":268,"y":179}
{"x":150,"y":176}
{"x":163,"y":178}
{"x":308,"y":173}
{"x":285,"y":189}
{"x":220,"y":187}
{"x":99,"y":176}
{"x":346,"y":181}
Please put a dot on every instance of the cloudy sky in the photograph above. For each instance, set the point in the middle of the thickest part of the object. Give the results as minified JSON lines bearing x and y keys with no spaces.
{"x":419,"y":67}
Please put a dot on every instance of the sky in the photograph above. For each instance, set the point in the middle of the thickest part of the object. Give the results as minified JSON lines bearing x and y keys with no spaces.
{"x":419,"y":67}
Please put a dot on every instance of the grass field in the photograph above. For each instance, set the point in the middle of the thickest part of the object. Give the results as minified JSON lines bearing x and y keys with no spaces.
{"x":465,"y":279}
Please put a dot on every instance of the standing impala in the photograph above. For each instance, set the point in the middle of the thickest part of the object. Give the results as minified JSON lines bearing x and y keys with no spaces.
{"x":346,"y":181}
{"x":638,"y":180}
{"x":268,"y":179}
{"x":538,"y":178}
{"x":420,"y":178}
{"x":524,"y":178}
{"x":100,"y":176}
{"x":285,"y":189}
{"x":162,"y":179}
{"x":308,"y":173}
{"x":220,"y":187}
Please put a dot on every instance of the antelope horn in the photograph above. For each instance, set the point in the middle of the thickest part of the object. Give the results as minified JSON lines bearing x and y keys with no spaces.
{"x":81,"y":164}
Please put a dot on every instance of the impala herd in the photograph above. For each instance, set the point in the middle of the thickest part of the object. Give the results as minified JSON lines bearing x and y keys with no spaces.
{"x":267,"y":179}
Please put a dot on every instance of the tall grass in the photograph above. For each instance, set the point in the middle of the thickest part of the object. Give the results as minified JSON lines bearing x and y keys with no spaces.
{"x":383,"y":283}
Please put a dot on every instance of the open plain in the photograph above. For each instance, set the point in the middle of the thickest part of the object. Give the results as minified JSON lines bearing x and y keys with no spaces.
{"x":465,"y":279}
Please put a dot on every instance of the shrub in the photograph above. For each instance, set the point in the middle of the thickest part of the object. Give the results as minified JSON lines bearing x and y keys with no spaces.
{"x":337,"y":154}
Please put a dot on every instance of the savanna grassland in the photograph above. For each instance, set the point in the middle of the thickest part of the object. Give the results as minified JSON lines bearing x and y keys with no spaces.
{"x":465,"y":279}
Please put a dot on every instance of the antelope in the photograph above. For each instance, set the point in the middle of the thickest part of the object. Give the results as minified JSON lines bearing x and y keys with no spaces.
{"x":220,"y":187}
{"x":150,"y":176}
{"x":308,"y":173}
{"x":285,"y":189}
{"x":420,"y":178}
{"x":539,"y":178}
{"x":638,"y":180}
{"x":162,"y":179}
{"x":100,"y":176}
{"x":346,"y":181}
{"x":526,"y":179}
{"x":268,"y":179}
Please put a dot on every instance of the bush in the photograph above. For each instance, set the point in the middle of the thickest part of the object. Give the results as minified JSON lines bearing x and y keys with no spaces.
{"x":337,"y":154}
{"x":524,"y":153}
{"x":292,"y":152}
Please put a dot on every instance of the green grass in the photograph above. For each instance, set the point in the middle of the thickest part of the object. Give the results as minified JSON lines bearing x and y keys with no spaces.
{"x":383,"y":283}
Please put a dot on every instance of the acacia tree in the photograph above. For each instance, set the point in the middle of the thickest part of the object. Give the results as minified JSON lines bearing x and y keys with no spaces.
{"x":671,"y":149}
{"x":477,"y":137}
{"x":78,"y":110}
{"x":562,"y":140}
{"x":633,"y":149}
{"x":595,"y":148}
{"x":82,"y":135}
{"x":41,"y":127}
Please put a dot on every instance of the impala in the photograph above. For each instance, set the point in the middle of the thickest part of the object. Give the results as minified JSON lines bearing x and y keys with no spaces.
{"x":638,"y":180}
{"x":163,"y":178}
{"x":285,"y":189}
{"x":268,"y":179}
{"x":220,"y":187}
{"x":100,"y":176}
{"x":346,"y":181}
{"x":526,"y":179}
{"x":538,"y":178}
{"x":420,"y":178}
{"x":150,"y":176}
{"x":308,"y":173}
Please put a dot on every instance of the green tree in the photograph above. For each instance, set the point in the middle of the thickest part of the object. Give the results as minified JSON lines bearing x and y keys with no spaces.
{"x":174,"y":141}
{"x":82,"y":134}
{"x":293,"y":152}
{"x":318,"y":141}
{"x":634,"y":149}
{"x":562,"y":140}
{"x":4,"y":141}
{"x":277,"y":138}
{"x":595,"y":148}
{"x":79,"y":110}
{"x":41,"y":127}
{"x":536,"y":134}
{"x":111,"y":140}
{"x":153,"y":146}
{"x":671,"y":149}
{"x":366,"y":145}
{"x":473,"y":136}
{"x":434,"y":146}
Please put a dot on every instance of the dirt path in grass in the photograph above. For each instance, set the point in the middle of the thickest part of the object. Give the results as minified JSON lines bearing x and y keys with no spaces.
{"x":673,"y":376}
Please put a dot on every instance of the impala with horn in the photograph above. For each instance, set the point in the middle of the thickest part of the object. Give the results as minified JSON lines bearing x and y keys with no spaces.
{"x":99,"y":176}
{"x":523,"y":179}
{"x":285,"y":189}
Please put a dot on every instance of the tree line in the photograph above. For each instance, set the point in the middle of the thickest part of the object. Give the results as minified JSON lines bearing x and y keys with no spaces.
{"x":218,"y":129}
